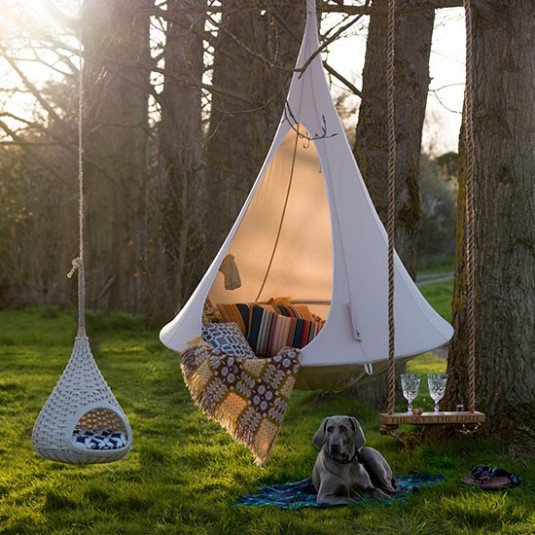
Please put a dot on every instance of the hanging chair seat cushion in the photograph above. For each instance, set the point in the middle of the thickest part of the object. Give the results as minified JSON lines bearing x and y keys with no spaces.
{"x":247,"y":396}
{"x":99,"y":439}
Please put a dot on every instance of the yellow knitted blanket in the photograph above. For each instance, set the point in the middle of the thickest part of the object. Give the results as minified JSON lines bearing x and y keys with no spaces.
{"x":247,"y":396}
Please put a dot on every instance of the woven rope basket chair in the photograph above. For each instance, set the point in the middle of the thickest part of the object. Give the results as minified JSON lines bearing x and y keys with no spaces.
{"x":81,"y":402}
{"x":82,"y":422}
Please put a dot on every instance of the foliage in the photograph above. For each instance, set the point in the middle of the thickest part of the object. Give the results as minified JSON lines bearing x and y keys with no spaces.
{"x":440,"y":295}
{"x":184,"y":472}
{"x":438,"y":193}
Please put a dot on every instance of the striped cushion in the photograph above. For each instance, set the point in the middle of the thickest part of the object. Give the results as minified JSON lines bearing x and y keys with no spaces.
{"x":235,"y":313}
{"x":269,"y":332}
{"x":240,"y":313}
{"x":293,"y":311}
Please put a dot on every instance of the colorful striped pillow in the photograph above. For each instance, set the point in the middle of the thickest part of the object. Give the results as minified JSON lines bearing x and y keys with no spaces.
{"x":269,"y":332}
{"x":292,"y":311}
{"x":235,"y":313}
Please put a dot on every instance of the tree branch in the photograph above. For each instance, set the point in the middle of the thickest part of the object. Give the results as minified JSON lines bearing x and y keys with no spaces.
{"x":342,"y":79}
{"x":404,"y":6}
{"x":331,"y":39}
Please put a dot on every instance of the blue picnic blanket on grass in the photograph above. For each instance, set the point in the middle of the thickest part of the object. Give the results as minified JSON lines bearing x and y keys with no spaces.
{"x":302,"y":493}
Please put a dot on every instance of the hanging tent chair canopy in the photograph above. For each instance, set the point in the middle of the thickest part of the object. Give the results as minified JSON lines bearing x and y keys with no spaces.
{"x":308,"y":230}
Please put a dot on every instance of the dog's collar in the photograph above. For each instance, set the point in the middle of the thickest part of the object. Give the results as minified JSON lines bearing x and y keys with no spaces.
{"x":357,"y":456}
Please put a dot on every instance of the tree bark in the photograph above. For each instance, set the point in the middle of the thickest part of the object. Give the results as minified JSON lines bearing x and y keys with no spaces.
{"x":181,"y":161}
{"x":412,"y":49}
{"x":504,"y":199}
{"x":253,"y":60}
{"x":116,"y":51}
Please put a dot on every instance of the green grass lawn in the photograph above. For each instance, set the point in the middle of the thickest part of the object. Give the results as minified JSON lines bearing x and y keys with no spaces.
{"x":184,"y":473}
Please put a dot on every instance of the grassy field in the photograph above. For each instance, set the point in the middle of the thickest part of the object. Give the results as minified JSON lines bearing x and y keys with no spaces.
{"x":184,"y":473}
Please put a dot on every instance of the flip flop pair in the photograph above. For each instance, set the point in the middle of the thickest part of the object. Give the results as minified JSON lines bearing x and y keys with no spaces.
{"x":488,"y":478}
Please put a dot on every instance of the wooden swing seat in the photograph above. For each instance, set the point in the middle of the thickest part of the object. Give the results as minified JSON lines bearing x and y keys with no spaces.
{"x":432,"y":418}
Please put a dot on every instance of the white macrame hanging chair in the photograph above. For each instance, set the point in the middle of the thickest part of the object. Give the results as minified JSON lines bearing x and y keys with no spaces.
{"x":309,"y":230}
{"x":82,"y":421}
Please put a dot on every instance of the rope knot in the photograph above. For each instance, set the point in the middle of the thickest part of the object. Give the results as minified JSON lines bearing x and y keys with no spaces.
{"x":76,"y":265}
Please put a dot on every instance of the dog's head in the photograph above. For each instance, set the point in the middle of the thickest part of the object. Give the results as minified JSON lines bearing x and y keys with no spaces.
{"x":341,"y":436}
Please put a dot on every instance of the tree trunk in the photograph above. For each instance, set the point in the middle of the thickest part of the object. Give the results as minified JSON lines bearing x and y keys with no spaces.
{"x":181,"y":163}
{"x":504,"y":199}
{"x":412,"y":50}
{"x":116,"y":52}
{"x":253,"y":59}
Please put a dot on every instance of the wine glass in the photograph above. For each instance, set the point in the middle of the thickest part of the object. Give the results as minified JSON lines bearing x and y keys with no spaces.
{"x":410,"y":383}
{"x":437,"y":387}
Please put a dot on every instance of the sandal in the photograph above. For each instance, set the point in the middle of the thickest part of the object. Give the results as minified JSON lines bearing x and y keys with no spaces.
{"x":500,"y":479}
{"x":478,"y":475}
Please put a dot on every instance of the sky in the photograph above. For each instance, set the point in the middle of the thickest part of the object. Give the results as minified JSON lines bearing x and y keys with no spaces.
{"x":347,"y":56}
{"x":447,"y":71}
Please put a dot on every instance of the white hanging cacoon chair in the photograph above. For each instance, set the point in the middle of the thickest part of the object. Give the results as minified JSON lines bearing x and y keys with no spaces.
{"x":309,"y":230}
{"x":82,"y":421}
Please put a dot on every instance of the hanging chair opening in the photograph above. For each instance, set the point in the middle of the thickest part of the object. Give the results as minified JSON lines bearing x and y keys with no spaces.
{"x":100,"y":429}
{"x":281,"y":254}
{"x":282,"y":248}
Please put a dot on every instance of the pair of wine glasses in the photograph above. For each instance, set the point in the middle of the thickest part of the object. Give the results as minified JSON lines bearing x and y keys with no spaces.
{"x":410,"y":384}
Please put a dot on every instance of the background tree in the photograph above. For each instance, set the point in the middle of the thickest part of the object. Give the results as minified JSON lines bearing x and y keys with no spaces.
{"x":412,"y":50}
{"x":177,"y":270}
{"x":504,"y":200}
{"x":253,"y":60}
{"x":116,"y":88}
{"x":438,"y":205}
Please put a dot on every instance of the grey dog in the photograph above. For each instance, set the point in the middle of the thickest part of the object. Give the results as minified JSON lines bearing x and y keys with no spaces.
{"x":344,"y":466}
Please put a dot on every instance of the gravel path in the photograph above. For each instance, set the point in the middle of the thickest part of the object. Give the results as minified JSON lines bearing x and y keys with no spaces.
{"x":431,"y":278}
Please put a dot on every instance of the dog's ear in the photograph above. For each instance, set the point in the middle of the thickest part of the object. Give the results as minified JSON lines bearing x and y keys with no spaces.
{"x":360,"y":439}
{"x":319,"y":437}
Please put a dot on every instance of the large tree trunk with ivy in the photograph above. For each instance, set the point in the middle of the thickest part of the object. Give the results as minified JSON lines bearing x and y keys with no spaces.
{"x":504,"y":199}
{"x":412,"y":50}
{"x":116,"y":52}
{"x":181,"y":166}
{"x":253,"y":59}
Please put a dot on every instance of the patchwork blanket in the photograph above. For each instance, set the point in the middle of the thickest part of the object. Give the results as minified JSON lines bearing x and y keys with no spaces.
{"x":247,"y":396}
{"x":300,"y":494}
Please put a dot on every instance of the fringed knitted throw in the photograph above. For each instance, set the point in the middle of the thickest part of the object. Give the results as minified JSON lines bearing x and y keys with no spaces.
{"x":247,"y":396}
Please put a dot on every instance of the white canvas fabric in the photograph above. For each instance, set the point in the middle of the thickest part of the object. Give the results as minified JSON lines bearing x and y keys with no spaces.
{"x":308,"y":230}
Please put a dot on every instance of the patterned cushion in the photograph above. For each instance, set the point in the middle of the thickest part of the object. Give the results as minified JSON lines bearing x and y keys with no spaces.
{"x":99,"y":439}
{"x":269,"y":332}
{"x":228,"y":338}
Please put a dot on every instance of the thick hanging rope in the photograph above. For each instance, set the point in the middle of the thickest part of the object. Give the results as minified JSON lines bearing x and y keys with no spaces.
{"x":469,"y":208}
{"x":391,"y":220}
{"x":78,"y":263}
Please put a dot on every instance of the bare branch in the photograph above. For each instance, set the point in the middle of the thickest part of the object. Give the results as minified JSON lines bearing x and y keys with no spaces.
{"x":328,"y":41}
{"x":342,"y":79}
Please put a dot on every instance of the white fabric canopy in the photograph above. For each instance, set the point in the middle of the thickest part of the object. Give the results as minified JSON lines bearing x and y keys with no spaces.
{"x":308,"y":230}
